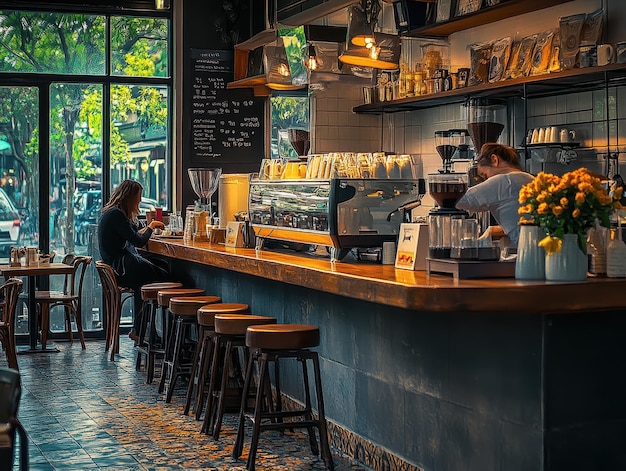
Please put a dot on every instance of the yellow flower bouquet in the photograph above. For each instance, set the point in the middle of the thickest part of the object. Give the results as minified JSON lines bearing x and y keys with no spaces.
{"x":570,"y":204}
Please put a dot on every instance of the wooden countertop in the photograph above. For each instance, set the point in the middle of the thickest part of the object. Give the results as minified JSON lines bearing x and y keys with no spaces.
{"x":384,"y":284}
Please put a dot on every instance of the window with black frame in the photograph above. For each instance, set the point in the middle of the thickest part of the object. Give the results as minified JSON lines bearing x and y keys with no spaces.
{"x":100,"y":82}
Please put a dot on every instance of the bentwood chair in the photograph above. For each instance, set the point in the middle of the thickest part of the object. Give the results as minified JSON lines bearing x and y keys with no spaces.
{"x":9,"y":293}
{"x":10,"y":393}
{"x":70,"y":299}
{"x":112,"y":307}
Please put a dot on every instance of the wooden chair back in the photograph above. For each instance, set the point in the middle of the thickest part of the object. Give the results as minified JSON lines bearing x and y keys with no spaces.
{"x":112,"y":306}
{"x":10,"y":293}
{"x":10,"y":395}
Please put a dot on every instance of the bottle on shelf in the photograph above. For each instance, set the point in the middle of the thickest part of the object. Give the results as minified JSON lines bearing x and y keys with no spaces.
{"x":596,"y":250}
{"x":616,"y":255}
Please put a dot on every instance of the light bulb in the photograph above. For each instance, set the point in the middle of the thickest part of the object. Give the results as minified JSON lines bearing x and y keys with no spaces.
{"x":310,"y":60}
{"x":374,"y":51}
{"x":283,"y":69}
{"x":311,"y":63}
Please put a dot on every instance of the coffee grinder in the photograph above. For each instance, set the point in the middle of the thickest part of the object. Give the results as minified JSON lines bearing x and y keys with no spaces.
{"x":446,"y":187}
{"x":485,"y":122}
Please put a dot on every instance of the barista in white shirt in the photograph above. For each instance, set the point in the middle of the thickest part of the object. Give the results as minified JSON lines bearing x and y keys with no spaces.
{"x":504,"y":177}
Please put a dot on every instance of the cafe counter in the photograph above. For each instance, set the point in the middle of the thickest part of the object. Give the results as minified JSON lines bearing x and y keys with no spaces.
{"x":427,"y":372}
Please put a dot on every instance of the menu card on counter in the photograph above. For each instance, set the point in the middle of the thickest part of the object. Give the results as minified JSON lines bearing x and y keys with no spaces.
{"x":412,"y":246}
{"x":226,"y":125}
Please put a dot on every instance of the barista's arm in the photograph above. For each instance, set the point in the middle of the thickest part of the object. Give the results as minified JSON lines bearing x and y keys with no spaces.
{"x":496,"y":232}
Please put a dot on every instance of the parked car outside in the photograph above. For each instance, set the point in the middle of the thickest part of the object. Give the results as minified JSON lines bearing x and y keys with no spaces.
{"x":9,"y":223}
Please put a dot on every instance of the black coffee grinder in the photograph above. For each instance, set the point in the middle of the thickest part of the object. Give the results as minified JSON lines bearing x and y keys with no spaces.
{"x":446,"y":187}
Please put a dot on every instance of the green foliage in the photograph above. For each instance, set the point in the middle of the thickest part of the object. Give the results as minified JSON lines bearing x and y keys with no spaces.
{"x":288,"y":112}
{"x":52,"y":43}
{"x":75,"y":44}
{"x":294,"y":41}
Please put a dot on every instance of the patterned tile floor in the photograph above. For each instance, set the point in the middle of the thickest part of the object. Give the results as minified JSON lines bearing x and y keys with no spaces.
{"x":82,"y":411}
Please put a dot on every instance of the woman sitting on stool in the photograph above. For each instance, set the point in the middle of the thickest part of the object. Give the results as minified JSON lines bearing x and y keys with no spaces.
{"x":119,"y":233}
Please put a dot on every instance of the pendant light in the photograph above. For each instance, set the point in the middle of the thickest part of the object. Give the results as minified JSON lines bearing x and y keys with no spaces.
{"x":310,"y":57}
{"x":382,"y":53}
{"x":277,"y":70}
{"x":362,"y":21}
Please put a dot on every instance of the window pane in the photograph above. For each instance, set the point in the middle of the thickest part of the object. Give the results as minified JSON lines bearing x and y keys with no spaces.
{"x":52,"y":43}
{"x":75,"y":187}
{"x":19,"y":168}
{"x":139,"y":47}
{"x":139,"y":117}
{"x":287,"y":112}
{"x":19,"y":176}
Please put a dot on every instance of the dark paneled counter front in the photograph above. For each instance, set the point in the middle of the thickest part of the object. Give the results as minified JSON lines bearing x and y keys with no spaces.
{"x":430,"y":373}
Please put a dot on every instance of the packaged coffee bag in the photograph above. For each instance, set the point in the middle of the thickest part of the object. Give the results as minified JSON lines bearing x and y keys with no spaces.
{"x":542,"y":53}
{"x":571,"y":27}
{"x":480,"y":58}
{"x":521,"y":55}
{"x":592,"y":28}
{"x":500,"y":52}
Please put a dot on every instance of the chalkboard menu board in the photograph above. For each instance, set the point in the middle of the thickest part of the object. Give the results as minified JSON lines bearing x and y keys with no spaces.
{"x":226,"y":125}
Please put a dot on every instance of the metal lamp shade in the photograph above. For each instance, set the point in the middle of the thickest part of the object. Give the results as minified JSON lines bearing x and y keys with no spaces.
{"x":388,"y":53}
{"x":360,"y":31}
{"x":276,"y":65}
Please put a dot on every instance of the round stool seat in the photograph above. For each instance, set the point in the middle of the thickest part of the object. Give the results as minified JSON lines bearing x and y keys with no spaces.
{"x":189,"y":305}
{"x":165,"y":295}
{"x":206,"y":314}
{"x":282,"y":336}
{"x":150,"y":291}
{"x":236,"y":324}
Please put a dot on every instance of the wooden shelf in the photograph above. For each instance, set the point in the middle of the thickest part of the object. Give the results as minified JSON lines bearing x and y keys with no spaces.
{"x":568,"y":81}
{"x":505,"y":9}
{"x":257,"y":83}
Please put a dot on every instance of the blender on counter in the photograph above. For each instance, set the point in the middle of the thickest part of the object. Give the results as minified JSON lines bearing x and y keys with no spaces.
{"x":446,"y":187}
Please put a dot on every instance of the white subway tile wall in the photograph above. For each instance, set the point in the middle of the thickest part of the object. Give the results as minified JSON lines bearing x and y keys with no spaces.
{"x":338,"y":129}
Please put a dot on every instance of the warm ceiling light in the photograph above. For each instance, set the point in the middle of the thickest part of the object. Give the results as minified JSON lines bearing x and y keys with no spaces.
{"x":361,"y":22}
{"x":162,"y":4}
{"x":310,"y":57}
{"x":283,"y":69}
{"x":383,"y":54}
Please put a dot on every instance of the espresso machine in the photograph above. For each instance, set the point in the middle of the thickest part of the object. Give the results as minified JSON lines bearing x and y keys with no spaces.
{"x":446,"y":187}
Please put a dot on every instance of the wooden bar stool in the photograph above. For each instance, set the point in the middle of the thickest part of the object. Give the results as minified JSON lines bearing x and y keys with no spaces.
{"x":230,"y":333}
{"x":150,"y":343}
{"x":204,"y":350}
{"x":163,"y":302}
{"x":184,"y":311}
{"x":269,"y":343}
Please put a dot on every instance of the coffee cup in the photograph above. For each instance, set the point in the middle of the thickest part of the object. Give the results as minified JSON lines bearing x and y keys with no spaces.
{"x":566,"y":135}
{"x":271,"y":169}
{"x":606,"y":54}
{"x":535,"y":136}
{"x":542,"y":135}
{"x":294,"y":170}
{"x":554,"y":134}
